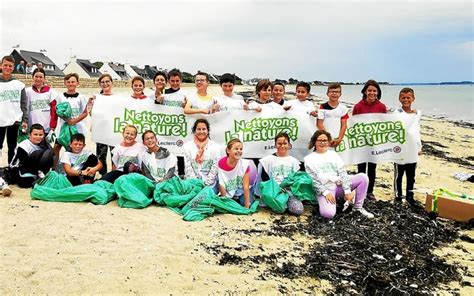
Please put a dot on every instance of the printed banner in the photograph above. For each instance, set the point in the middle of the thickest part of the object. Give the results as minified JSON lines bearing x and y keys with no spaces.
{"x":373,"y":137}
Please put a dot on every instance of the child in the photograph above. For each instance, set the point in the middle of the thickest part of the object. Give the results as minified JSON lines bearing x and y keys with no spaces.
{"x":33,"y":158}
{"x":234,"y":174}
{"x":125,"y":155}
{"x":278,"y":166}
{"x":80,"y":165}
{"x":330,"y":178}
{"x":41,"y":102}
{"x":13,"y":106}
{"x":333,"y":115}
{"x":301,"y":105}
{"x":278,"y":92}
{"x":200,"y":102}
{"x":78,"y":104}
{"x":138,"y":84}
{"x":263,"y":92}
{"x":406,"y":98}
{"x":201,"y":155}
{"x":229,"y":101}
{"x":156,"y":163}
{"x":159,"y":80}
{"x":370,"y":103}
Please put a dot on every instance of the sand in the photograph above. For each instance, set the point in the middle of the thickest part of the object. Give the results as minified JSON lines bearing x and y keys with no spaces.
{"x":80,"y":248}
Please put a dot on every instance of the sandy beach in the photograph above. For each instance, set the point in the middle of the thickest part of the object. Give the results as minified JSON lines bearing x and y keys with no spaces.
{"x":80,"y":248}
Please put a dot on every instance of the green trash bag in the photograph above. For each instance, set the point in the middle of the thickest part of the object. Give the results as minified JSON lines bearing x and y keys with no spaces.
{"x":21,"y":135}
{"x":206,"y":202}
{"x":56,"y":187}
{"x":301,"y":186}
{"x":64,"y":110}
{"x":134,"y":191}
{"x":273,"y":196}
{"x":176,"y":192}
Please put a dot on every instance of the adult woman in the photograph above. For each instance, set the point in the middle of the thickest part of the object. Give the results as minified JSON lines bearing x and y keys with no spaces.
{"x":156,"y":163}
{"x":331,"y":181}
{"x":201,"y":155}
{"x":234,"y":174}
{"x":106,"y":85}
{"x":278,"y":166}
{"x":41,"y":102}
{"x":370,"y":103}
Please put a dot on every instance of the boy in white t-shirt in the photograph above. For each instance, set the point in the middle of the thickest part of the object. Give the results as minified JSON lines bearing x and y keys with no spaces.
{"x":80,"y":165}
{"x":229,"y":100}
{"x":200,"y":102}
{"x":301,"y":104}
{"x":332,"y":115}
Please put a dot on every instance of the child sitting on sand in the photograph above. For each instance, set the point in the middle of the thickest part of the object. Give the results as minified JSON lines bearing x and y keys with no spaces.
{"x":80,"y":165}
{"x":125,"y":155}
{"x":33,"y":158}
{"x":156,"y":163}
{"x":332,"y":115}
{"x":406,"y":98}
{"x":234,"y":174}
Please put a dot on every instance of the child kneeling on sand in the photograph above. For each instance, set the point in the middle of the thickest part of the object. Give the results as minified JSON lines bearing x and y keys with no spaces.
{"x":33,"y":158}
{"x":80,"y":165}
{"x":156,"y":163}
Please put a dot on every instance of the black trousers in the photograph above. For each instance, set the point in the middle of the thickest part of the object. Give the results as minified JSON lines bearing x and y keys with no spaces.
{"x":368,"y":168}
{"x":11,"y":132}
{"x":398,"y":172}
{"x":40,"y":160}
{"x":91,"y":161}
{"x":101,"y":152}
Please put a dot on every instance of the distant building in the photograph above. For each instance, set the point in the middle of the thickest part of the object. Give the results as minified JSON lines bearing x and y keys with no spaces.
{"x":151,"y":71}
{"x":135,"y":71}
{"x":84,"y":68}
{"x":49,"y":67}
{"x":117,"y":71}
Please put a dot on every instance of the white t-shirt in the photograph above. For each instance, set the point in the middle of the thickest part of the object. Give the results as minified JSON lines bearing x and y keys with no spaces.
{"x":325,"y":166}
{"x":269,"y":106}
{"x":279,"y":168}
{"x":416,"y":129}
{"x":10,"y":96}
{"x":39,"y":107}
{"x":75,"y":160}
{"x":158,"y":168}
{"x":233,"y":180}
{"x":175,"y":99}
{"x":207,"y":170}
{"x":78,"y":105}
{"x":332,"y":118}
{"x":122,"y":154}
{"x":236,"y":102}
{"x":305,"y":107}
{"x":199,"y":102}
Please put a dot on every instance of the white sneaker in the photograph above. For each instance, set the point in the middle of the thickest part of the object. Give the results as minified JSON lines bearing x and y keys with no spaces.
{"x":6,"y":191}
{"x":40,"y":174}
{"x":365,"y":213}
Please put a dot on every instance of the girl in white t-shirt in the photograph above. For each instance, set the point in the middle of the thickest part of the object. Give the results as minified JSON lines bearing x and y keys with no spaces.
{"x":125,"y":155}
{"x":156,"y":162}
{"x":138,"y":84}
{"x":301,"y":104}
{"x":234,"y":174}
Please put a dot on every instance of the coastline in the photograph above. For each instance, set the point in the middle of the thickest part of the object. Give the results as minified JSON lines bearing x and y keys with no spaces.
{"x":76,"y":248}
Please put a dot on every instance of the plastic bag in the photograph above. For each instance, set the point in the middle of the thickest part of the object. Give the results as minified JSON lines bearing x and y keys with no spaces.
{"x":273,"y":196}
{"x":64,"y":110}
{"x":22,"y":135}
{"x":301,"y":186}
{"x":176,"y":192}
{"x":134,"y":191}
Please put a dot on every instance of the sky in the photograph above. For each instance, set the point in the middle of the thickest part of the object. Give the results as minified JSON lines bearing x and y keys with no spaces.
{"x":351,"y":41}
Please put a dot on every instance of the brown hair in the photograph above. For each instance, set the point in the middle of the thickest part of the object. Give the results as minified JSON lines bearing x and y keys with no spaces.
{"x":103,"y":76}
{"x":407,"y":90}
{"x":262,"y":84}
{"x":67,"y":76}
{"x":334,"y":85}
{"x":373,"y":83}
{"x":312,"y":141}
{"x":138,"y":78}
{"x":41,"y":70}
{"x":8,"y":58}
{"x":231,"y":143}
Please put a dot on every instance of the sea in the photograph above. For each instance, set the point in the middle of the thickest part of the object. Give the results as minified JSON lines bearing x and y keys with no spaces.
{"x":452,"y":102}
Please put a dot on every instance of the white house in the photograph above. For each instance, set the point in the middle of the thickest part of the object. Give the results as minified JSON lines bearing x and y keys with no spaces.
{"x":117,"y":71}
{"x":82,"y":67}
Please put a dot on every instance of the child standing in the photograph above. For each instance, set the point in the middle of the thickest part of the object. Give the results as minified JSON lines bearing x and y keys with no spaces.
{"x":229,"y":100}
{"x":370,"y":103}
{"x":41,"y":102}
{"x":13,"y":106}
{"x":301,"y":104}
{"x":33,"y":158}
{"x":80,"y":165}
{"x":333,"y":115}
{"x":78,"y":104}
{"x":138,"y":84}
{"x":125,"y":155}
{"x":234,"y":174}
{"x":406,"y":98}
{"x":331,"y":180}
{"x":200,"y":102}
{"x":278,"y":93}
{"x":174,"y":95}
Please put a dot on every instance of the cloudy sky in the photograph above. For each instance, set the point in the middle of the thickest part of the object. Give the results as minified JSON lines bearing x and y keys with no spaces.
{"x":396,"y":41}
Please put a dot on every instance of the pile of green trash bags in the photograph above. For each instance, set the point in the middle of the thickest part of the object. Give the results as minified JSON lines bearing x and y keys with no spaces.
{"x":275,"y":196}
{"x":189,"y":198}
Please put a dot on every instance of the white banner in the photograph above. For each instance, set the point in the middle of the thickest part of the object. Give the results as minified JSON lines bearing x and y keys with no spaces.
{"x":370,"y":137}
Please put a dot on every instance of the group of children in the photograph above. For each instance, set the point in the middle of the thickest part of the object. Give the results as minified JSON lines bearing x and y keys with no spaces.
{"x":230,"y":175}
